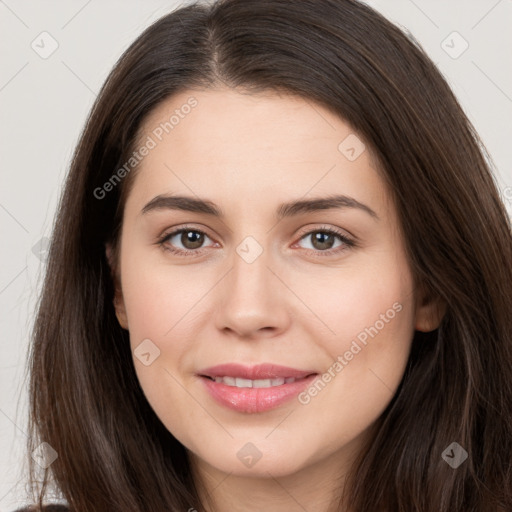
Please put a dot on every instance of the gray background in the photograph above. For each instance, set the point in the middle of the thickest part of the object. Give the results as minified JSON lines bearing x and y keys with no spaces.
{"x":44,"y":102}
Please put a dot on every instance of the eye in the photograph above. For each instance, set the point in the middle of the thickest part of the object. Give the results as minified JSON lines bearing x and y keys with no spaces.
{"x":191,"y":240}
{"x":323,"y":241}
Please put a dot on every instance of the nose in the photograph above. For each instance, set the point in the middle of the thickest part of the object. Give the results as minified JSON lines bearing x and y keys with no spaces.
{"x":252,"y":300}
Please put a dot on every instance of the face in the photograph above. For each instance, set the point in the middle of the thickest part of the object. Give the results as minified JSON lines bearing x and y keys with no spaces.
{"x":324,"y":290}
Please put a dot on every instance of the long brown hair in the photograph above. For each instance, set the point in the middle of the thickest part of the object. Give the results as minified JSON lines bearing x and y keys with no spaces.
{"x":114,"y":454}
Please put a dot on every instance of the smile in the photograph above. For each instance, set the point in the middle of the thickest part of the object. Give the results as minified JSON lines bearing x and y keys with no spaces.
{"x":240,"y":382}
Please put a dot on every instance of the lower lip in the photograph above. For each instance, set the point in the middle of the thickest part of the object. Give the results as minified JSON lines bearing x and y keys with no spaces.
{"x":254,"y":400}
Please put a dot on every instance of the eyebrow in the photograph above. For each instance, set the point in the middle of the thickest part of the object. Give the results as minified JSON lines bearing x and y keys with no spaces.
{"x":290,"y":209}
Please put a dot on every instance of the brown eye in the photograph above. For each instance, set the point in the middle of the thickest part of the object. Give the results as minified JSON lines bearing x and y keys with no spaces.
{"x":192,"y":239}
{"x":326,"y":242}
{"x":322,"y":240}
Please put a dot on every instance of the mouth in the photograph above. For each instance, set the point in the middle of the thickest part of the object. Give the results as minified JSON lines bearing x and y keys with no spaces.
{"x":254,"y":389}
{"x":240,"y":382}
{"x":260,"y":372}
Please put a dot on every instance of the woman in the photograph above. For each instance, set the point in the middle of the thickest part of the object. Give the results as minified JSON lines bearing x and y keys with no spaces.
{"x":191,"y":353}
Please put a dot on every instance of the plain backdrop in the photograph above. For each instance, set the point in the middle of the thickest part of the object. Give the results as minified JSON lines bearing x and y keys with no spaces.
{"x":44,"y":100}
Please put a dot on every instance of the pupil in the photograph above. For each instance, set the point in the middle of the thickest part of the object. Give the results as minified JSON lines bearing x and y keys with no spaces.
{"x":320,"y":237}
{"x":191,"y":239}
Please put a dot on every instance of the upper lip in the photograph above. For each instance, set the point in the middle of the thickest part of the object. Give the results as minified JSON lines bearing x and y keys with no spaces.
{"x":260,"y":371}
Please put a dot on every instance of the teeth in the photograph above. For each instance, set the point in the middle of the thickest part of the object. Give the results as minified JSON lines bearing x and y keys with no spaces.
{"x":262,"y":383}
{"x":243,"y":383}
{"x":258,"y":383}
{"x":230,"y":381}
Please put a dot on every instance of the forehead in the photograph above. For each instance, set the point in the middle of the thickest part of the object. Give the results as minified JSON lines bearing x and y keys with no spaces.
{"x":269,"y":122}
{"x":224,"y":143}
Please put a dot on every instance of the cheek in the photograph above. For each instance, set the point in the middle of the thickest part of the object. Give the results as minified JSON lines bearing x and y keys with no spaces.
{"x":166,"y":305}
{"x":373,"y":320}
{"x":160,"y":302}
{"x":363,"y":303}
{"x":367,"y":325}
{"x":160,"y":299}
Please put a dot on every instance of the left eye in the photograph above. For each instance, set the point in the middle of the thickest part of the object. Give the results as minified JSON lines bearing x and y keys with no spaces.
{"x":324,"y":240}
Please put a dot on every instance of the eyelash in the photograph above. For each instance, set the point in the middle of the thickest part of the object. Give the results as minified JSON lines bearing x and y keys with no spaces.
{"x":348,"y":242}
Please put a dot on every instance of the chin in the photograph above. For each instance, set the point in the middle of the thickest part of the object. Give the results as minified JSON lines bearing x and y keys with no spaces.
{"x":246,"y":461}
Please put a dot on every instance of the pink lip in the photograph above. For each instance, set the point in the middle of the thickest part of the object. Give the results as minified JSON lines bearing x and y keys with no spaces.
{"x":255,"y":400}
{"x":260,"y":371}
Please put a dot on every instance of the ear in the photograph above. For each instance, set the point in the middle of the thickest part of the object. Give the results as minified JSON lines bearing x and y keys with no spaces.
{"x":119,"y":305}
{"x":429,"y":312}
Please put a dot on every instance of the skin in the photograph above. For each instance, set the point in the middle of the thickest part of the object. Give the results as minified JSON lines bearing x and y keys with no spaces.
{"x":248,"y":153}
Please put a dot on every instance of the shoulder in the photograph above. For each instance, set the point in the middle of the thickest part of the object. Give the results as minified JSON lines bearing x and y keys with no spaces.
{"x":46,"y":508}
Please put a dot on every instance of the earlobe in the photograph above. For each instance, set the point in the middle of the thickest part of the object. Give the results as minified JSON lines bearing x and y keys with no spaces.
{"x":429,"y":313}
{"x":119,"y":305}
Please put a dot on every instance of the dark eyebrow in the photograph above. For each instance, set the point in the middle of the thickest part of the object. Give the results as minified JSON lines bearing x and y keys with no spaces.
{"x":322,"y":203}
{"x":192,"y":204}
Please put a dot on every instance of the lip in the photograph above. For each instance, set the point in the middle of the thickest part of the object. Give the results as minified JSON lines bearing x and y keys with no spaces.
{"x":255,"y":400}
{"x":260,"y":371}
